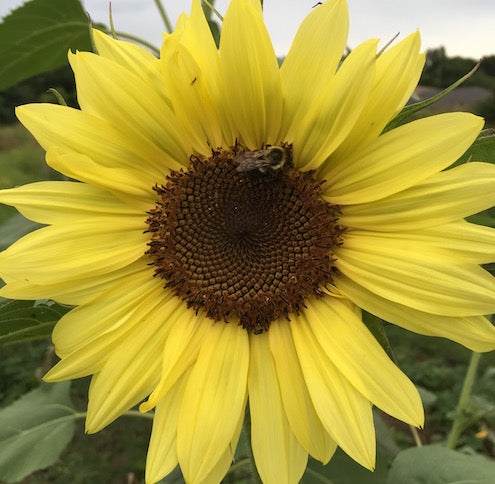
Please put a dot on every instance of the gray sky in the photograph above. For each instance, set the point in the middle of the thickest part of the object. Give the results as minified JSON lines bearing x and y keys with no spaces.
{"x":464,"y":27}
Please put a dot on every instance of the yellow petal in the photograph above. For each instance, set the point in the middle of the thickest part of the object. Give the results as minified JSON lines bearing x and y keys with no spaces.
{"x":106,"y":89}
{"x":133,"y":188}
{"x":194,"y":104}
{"x":313,"y":58}
{"x":401,"y":158}
{"x":251,"y":76}
{"x":397,"y":73}
{"x":105,"y":143}
{"x":77,"y":250}
{"x":222,"y":466}
{"x":476,"y":333}
{"x":446,"y":197}
{"x":417,"y":275}
{"x":335,"y":110}
{"x":279,"y":457}
{"x":132,"y":368}
{"x":299,"y":409}
{"x":360,"y":358}
{"x":213,"y":400}
{"x":469,"y":241}
{"x":204,"y":97}
{"x":53,"y":202}
{"x":162,"y":451}
{"x":75,"y":292}
{"x":92,"y":353}
{"x":345,"y":412}
{"x":180,"y":351}
{"x":132,"y":57}
{"x":107,"y":311}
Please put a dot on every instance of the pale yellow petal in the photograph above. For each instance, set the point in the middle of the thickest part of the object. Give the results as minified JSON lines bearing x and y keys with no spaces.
{"x":446,"y":197}
{"x":313,"y":58}
{"x":92,"y":353}
{"x":345,"y":412}
{"x":133,"y":367}
{"x":401,"y":158}
{"x":132,"y":57}
{"x":299,"y":409}
{"x":74,"y":292}
{"x":162,"y":450}
{"x":180,"y":351}
{"x":279,"y":457}
{"x":476,"y":333}
{"x":194,"y":105}
{"x":361,"y":359}
{"x":251,"y":76}
{"x":108,"y":90}
{"x":105,"y":143}
{"x":53,"y":202}
{"x":469,"y":241}
{"x":215,"y":392}
{"x":107,"y":311}
{"x":222,"y":466}
{"x":334,"y":111}
{"x":75,"y":250}
{"x":397,"y":73}
{"x":417,"y":275}
{"x":131,"y":186}
{"x":197,"y":86}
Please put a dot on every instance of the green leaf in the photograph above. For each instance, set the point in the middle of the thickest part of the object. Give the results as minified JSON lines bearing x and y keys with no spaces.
{"x":343,"y":470}
{"x":376,"y":326}
{"x":408,"y":111}
{"x":215,"y":31}
{"x":34,"y":430}
{"x":483,"y":149}
{"x":37,"y":36}
{"x":28,"y":320}
{"x":434,"y":464}
{"x":14,"y":228}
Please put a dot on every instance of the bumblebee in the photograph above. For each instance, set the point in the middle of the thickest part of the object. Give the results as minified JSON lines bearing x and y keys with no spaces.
{"x":271,"y":157}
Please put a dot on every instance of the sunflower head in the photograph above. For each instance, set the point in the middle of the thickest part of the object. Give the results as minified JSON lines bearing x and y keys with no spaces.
{"x":228,"y":222}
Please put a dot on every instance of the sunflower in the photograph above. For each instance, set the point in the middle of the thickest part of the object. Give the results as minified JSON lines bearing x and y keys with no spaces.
{"x":229,"y":221}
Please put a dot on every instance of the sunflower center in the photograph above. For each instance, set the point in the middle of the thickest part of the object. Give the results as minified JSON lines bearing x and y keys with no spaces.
{"x":247,"y":245}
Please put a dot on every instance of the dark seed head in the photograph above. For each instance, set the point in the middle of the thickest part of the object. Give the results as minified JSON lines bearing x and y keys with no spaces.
{"x":247,"y":247}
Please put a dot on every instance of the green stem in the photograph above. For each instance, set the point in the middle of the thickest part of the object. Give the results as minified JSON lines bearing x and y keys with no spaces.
{"x":129,"y":413}
{"x":137,"y":413}
{"x":213,"y":9}
{"x":110,"y":17}
{"x":124,"y":35}
{"x":415,"y":434}
{"x":163,"y":13}
{"x":255,"y":477}
{"x":459,"y":419}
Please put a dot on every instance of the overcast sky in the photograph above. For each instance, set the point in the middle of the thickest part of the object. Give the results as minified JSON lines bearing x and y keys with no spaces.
{"x":464,"y":27}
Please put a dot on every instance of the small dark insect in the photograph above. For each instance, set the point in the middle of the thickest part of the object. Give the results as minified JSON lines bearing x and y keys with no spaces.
{"x":193,"y":81}
{"x":272,"y":157}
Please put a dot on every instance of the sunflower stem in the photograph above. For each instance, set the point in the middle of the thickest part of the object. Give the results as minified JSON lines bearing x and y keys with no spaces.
{"x":124,"y":35}
{"x":213,"y":9}
{"x":110,"y":18}
{"x":255,"y":477}
{"x":415,"y":434}
{"x":460,"y":417}
{"x":137,"y":413}
{"x":163,"y":14}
